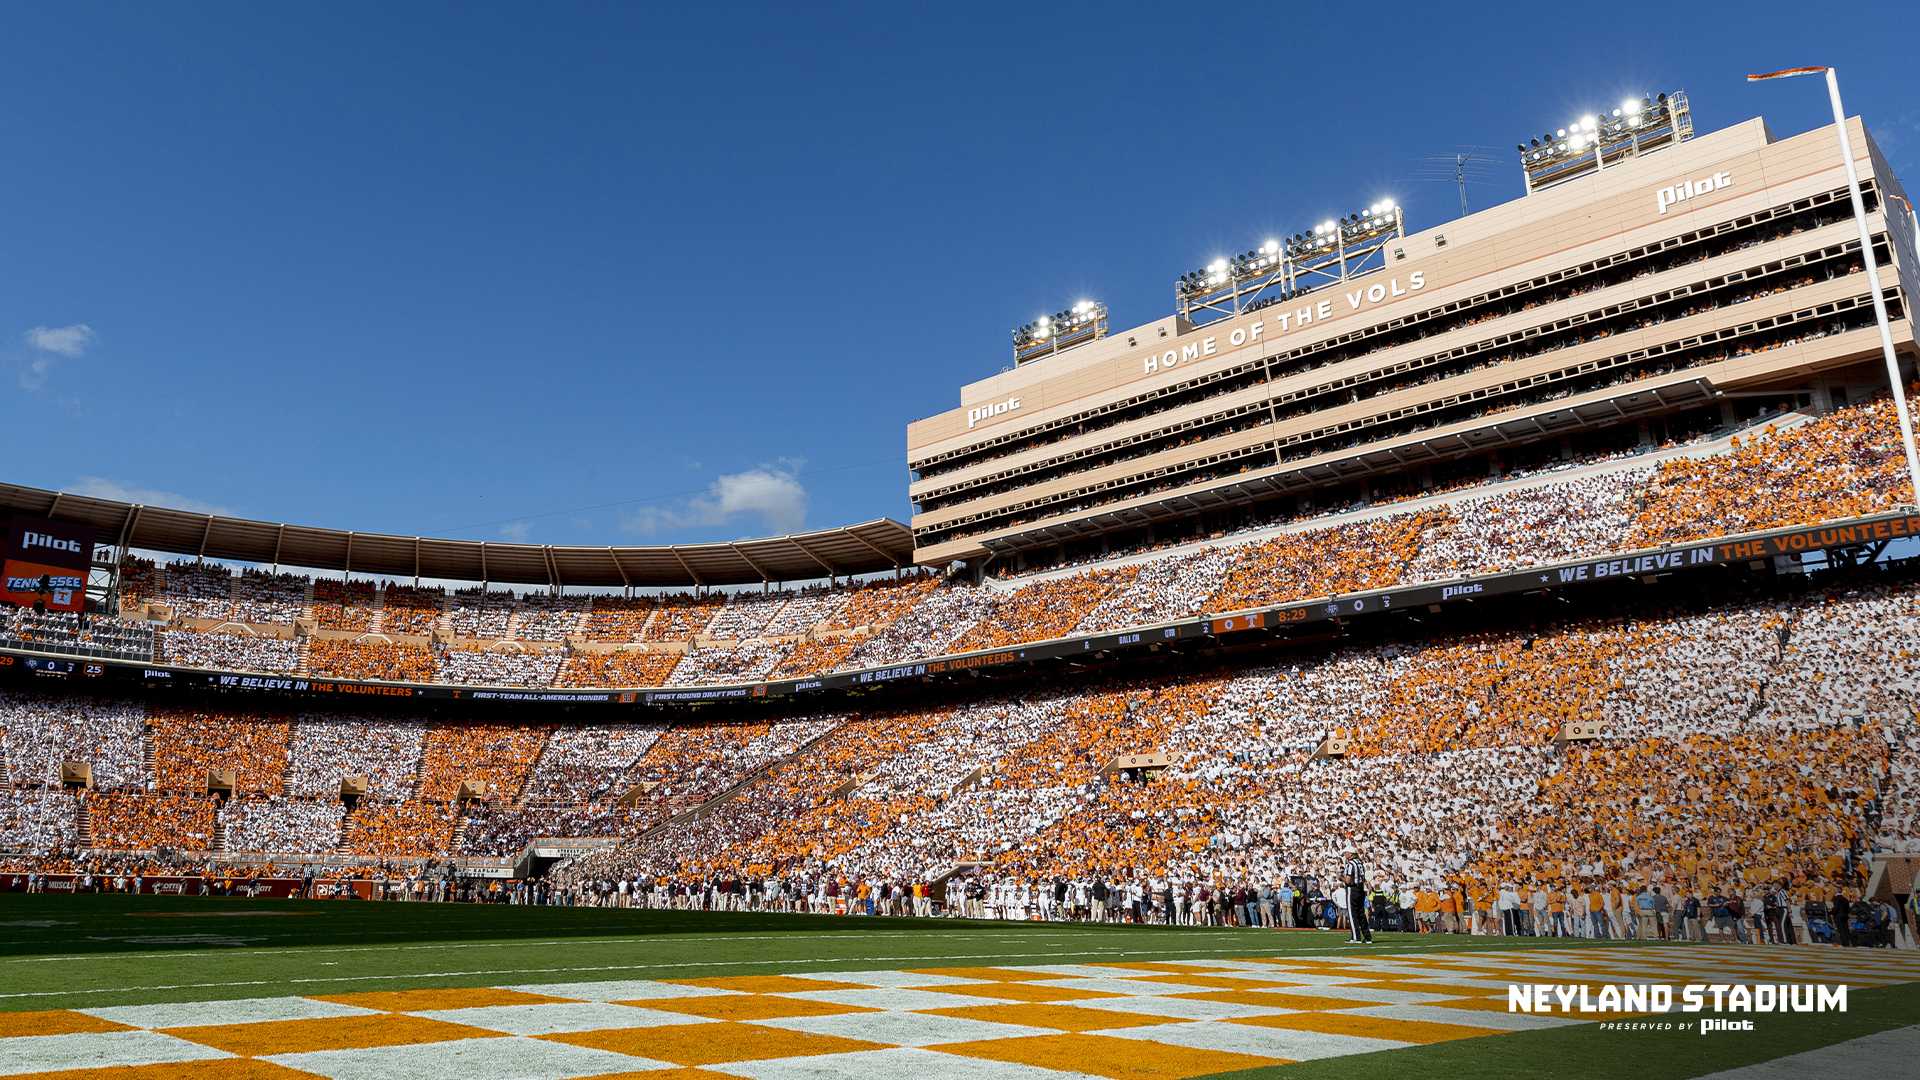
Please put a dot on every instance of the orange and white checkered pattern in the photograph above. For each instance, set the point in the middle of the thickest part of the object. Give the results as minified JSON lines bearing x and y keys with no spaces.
{"x":1149,"y":1020}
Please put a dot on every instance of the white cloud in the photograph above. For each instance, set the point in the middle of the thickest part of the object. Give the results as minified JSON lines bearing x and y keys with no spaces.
{"x":770,"y":494}
{"x":68,"y":341}
{"x":34,"y":374}
{"x":47,"y":346}
{"x":516,"y":531}
{"x":102,"y":488}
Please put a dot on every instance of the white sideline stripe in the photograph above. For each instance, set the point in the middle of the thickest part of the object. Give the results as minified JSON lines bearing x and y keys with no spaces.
{"x":939,"y":958}
{"x":581,"y":940}
{"x":1254,"y":939}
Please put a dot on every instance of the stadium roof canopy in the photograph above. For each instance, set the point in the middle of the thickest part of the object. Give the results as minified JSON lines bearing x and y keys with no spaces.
{"x":867,"y":548}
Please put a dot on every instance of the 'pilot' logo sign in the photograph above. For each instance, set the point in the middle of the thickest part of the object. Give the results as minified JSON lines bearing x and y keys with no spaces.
{"x":1687,"y":189}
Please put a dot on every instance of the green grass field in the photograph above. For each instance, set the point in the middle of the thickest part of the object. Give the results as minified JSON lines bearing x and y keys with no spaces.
{"x":63,"y":952}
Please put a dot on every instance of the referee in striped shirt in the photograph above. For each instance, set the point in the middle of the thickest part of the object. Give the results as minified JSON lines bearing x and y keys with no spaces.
{"x":1356,"y":882}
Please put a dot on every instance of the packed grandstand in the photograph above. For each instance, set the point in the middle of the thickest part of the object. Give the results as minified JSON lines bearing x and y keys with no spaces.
{"x":1781,"y":718}
{"x":1601,"y":760}
{"x":1779,"y":469}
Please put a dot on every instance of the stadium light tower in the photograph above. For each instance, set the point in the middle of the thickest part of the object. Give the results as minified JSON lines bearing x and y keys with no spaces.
{"x":1279,"y":269}
{"x":1083,"y":322}
{"x":1866,"y":254}
{"x":1640,"y":125}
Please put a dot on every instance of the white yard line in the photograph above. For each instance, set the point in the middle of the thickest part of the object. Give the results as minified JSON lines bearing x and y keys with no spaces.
{"x":581,"y":940}
{"x":940,"y":959}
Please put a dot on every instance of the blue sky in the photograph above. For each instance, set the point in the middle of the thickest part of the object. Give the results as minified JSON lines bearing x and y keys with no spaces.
{"x":647,"y":274}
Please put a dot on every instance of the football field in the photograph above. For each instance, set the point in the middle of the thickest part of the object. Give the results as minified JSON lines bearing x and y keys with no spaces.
{"x":107,"y":986}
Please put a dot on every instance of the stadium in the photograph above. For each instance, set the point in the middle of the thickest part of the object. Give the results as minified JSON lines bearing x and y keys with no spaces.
{"x":1266,"y":688}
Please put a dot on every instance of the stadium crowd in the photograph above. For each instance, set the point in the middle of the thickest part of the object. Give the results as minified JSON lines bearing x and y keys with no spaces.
{"x":498,"y":665}
{"x":1843,"y":464}
{"x":263,"y":598}
{"x":405,"y":609}
{"x":327,"y":748}
{"x":480,"y":613}
{"x":278,"y":826}
{"x":190,"y":745}
{"x":227,"y":650}
{"x":621,"y":667}
{"x":1000,"y":802}
{"x":1753,"y":755}
{"x":343,"y":605}
{"x":71,"y":632}
{"x":369,"y":658}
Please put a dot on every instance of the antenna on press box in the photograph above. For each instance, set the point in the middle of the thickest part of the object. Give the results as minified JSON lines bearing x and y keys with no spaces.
{"x":1466,"y":164}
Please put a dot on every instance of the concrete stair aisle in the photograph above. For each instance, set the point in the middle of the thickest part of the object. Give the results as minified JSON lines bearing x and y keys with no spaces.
{"x":345,"y":847}
{"x":461,"y":834}
{"x":652,"y":614}
{"x":83,"y":824}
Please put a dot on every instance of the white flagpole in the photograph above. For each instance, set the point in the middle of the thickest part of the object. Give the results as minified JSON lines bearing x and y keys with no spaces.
{"x":1873,"y":267}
